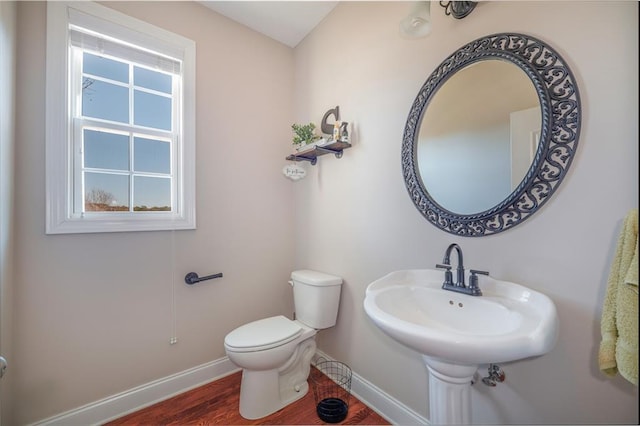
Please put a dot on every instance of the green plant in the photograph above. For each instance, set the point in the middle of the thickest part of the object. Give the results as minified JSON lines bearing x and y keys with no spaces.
{"x":304,"y":134}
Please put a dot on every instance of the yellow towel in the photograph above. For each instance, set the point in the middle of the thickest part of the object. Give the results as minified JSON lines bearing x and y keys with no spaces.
{"x":619,"y":323}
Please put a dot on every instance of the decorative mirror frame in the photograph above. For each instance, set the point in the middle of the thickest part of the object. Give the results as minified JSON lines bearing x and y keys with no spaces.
{"x":561,"y":116}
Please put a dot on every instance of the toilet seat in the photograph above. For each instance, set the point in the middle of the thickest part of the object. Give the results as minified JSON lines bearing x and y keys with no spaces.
{"x":262,"y":334}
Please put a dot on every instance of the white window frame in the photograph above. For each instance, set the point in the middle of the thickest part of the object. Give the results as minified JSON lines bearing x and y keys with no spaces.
{"x":61,"y":216}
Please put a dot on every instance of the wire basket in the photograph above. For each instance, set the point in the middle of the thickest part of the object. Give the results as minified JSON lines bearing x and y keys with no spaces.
{"x":331,"y":383}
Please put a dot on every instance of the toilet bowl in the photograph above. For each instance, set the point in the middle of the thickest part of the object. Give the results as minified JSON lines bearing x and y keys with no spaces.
{"x":283,"y":348}
{"x":275,"y":353}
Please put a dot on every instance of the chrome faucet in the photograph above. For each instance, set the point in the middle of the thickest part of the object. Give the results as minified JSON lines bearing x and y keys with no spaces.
{"x":459,"y":285}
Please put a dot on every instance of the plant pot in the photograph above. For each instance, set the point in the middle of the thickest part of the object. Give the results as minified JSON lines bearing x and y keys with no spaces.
{"x":307,"y":147}
{"x":311,"y":145}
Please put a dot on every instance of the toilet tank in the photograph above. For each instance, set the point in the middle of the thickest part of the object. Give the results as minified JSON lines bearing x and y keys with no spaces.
{"x":316,"y":297}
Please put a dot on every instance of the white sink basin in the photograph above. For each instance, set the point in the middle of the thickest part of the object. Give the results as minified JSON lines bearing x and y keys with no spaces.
{"x":507,"y":323}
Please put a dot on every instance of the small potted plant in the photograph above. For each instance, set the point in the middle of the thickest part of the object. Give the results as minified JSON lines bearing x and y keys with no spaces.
{"x":303,"y":135}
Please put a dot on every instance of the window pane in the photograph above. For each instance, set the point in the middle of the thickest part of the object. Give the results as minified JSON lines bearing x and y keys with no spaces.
{"x":152,"y":80}
{"x":104,"y":100}
{"x":151,"y":155}
{"x":103,"y":150}
{"x":151,"y":194}
{"x":106,"y":192}
{"x":107,"y":68}
{"x":152,"y":110}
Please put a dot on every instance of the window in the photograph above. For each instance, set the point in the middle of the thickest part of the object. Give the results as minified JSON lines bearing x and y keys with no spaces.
{"x":120,"y":141}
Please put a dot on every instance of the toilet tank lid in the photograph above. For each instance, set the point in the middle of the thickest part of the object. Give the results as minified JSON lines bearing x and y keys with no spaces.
{"x":315,"y":278}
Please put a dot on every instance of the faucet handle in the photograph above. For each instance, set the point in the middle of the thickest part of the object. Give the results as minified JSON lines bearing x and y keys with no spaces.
{"x":448,"y":276}
{"x":473,"y":281}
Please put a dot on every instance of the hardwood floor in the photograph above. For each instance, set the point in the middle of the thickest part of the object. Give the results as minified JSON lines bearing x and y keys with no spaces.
{"x":216,"y":403}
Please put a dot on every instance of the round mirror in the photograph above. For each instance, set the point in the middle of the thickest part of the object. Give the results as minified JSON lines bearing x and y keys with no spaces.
{"x":482,"y":124}
{"x":491,"y":134}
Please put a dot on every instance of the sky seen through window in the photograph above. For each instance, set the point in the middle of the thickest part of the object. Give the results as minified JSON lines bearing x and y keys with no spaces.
{"x":119,"y":164}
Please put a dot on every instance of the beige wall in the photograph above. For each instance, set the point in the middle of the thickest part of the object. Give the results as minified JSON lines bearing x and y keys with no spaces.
{"x":357,"y":60}
{"x":93,"y":313}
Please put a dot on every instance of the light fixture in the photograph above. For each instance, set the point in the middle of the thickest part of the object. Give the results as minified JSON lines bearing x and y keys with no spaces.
{"x":458,"y":9}
{"x":418,"y":22}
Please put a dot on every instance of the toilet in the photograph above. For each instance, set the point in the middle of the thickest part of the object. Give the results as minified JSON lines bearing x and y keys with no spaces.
{"x":275,"y":353}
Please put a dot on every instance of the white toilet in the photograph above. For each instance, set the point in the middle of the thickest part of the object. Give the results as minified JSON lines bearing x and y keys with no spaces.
{"x":275,"y":353}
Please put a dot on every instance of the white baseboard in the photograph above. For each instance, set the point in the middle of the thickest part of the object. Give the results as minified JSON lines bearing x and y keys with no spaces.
{"x":384,"y":404}
{"x":121,"y":404}
{"x":379,"y":401}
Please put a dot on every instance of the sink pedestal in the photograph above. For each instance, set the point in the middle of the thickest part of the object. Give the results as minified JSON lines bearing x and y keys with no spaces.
{"x":449,"y":392}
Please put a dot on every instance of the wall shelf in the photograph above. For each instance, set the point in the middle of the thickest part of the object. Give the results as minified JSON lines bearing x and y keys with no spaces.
{"x":312,"y":154}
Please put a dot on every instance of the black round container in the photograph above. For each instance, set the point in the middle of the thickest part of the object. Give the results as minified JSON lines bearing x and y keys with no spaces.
{"x":332,"y":410}
{"x":331,"y":383}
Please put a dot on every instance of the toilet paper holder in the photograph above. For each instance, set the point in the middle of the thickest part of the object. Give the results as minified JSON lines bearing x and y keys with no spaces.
{"x":192,"y":277}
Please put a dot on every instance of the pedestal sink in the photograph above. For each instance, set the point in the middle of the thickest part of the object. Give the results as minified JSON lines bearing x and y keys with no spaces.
{"x":455,"y":333}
